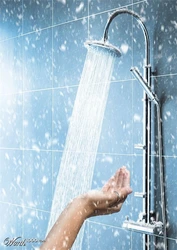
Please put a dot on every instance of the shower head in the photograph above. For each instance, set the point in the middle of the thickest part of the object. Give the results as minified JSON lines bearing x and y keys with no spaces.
{"x":99,"y":45}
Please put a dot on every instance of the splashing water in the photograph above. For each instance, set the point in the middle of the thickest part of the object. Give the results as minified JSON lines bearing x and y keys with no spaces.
{"x":78,"y":160}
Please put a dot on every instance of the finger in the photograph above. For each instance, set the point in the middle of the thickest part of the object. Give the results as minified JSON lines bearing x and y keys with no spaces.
{"x":109,"y":184}
{"x":111,"y":210}
{"x":106,"y":187}
{"x":119,"y":177}
{"x":126,"y":179}
{"x":114,"y":180}
{"x":124,"y":192}
{"x":115,"y":209}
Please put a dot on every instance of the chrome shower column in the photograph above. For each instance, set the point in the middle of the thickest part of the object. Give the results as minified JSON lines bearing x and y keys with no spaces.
{"x":145,"y":225}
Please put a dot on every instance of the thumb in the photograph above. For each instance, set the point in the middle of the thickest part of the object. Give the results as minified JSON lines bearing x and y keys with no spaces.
{"x":124,"y":192}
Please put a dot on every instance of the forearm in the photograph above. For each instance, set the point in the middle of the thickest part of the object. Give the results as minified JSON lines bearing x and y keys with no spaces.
{"x":96,"y":202}
{"x":66,"y":228}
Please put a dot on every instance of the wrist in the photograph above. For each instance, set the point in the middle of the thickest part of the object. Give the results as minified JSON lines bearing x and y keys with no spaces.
{"x":84,"y":207}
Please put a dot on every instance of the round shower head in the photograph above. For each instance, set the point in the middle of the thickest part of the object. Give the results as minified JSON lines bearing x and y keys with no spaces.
{"x":103,"y":46}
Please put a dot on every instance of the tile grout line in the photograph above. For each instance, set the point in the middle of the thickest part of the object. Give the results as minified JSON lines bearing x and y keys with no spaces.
{"x":52,"y":97}
{"x":67,"y":22}
{"x":75,"y":86}
{"x":98,"y":153}
{"x":118,"y":227}
{"x":23,"y":207}
{"x":23,"y":231}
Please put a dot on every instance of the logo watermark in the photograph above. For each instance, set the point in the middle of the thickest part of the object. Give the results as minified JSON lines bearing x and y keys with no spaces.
{"x":19,"y":241}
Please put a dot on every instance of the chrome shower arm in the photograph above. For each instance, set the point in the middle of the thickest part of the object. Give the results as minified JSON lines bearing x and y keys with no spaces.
{"x":142,"y":25}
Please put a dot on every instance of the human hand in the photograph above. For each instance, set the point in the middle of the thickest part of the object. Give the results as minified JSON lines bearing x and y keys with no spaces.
{"x":112,"y":195}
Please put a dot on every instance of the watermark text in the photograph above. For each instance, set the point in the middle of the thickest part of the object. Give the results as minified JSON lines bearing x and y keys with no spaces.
{"x":19,"y":241}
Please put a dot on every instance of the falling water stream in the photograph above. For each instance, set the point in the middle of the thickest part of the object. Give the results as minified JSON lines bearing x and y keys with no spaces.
{"x":78,"y":160}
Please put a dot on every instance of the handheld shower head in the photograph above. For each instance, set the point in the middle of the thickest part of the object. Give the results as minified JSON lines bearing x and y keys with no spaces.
{"x":152,"y":96}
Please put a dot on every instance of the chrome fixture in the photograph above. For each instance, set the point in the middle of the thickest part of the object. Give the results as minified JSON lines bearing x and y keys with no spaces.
{"x":145,"y":225}
{"x":145,"y":86}
{"x":104,"y":46}
{"x":155,"y":227}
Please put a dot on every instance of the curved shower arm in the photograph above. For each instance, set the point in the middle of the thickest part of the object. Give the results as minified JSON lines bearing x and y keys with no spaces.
{"x":142,"y":25}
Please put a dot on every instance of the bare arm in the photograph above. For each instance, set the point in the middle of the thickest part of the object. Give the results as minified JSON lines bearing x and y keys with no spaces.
{"x":95,"y":202}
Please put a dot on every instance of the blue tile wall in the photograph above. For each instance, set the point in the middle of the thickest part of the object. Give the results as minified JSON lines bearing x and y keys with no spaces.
{"x":167,"y":92}
{"x":137,"y":241}
{"x":37,"y":60}
{"x":107,"y":237}
{"x":171,"y":203}
{"x":11,"y":224}
{"x":11,"y":176}
{"x":37,"y":14}
{"x":11,"y":69}
{"x":137,"y":116}
{"x":11,"y":19}
{"x":37,"y":125}
{"x":63,"y":101}
{"x":68,"y":49}
{"x":34,"y":226}
{"x":65,"y":11}
{"x":11,"y":108}
{"x":42,"y":55}
{"x":116,"y":135}
{"x":37,"y":176}
{"x":56,"y":160}
{"x":103,"y":5}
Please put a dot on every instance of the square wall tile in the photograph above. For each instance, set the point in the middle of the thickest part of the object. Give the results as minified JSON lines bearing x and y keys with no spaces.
{"x":37,"y":14}
{"x":102,"y":237}
{"x":85,"y":242}
{"x":165,"y":58}
{"x":10,"y":18}
{"x":170,"y":165}
{"x":64,"y":11}
{"x":137,"y":241}
{"x":11,"y":70}
{"x":37,"y":180}
{"x":69,"y":52}
{"x":116,"y":134}
{"x":11,"y":225}
{"x":147,"y":13}
{"x":11,"y":176}
{"x":138,"y":123}
{"x":172,"y":244}
{"x":37,"y":60}
{"x":35,"y":224}
{"x":11,"y":114}
{"x":166,"y":90}
{"x":56,"y":161}
{"x":97,"y":6}
{"x":161,"y":33}
{"x":170,"y":184}
{"x":137,"y":179}
{"x":63,"y":103}
{"x":37,"y":120}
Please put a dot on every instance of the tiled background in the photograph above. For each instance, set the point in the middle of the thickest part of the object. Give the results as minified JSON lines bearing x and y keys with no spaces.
{"x":41,"y":59}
